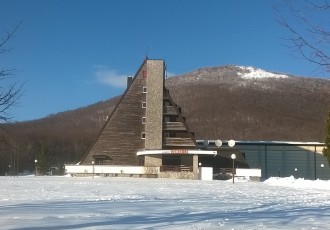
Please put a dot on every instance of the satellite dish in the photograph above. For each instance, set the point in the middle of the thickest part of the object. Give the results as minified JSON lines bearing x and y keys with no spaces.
{"x":231,"y":143}
{"x":218,"y":143}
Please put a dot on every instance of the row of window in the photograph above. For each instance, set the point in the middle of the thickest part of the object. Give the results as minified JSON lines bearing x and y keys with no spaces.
{"x":144,"y":105}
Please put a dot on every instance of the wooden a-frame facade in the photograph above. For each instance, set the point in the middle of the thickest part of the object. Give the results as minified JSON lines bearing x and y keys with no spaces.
{"x":145,"y":120}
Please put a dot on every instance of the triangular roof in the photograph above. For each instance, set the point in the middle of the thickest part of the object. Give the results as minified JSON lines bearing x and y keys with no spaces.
{"x":120,"y":137}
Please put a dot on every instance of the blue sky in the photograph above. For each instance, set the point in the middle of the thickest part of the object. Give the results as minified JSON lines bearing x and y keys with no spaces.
{"x":74,"y":53}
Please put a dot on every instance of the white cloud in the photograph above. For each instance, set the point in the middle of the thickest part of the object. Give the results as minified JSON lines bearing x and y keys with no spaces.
{"x":170,"y":74}
{"x":110,"y":77}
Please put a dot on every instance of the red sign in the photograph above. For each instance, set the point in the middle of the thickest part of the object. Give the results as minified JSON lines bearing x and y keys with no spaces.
{"x":179,"y":151}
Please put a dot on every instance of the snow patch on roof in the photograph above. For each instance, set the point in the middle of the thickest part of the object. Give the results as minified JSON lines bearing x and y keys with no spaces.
{"x":251,"y":72}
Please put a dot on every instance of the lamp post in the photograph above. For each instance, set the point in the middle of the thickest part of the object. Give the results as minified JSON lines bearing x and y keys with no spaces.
{"x":35,"y":165}
{"x":93,"y":163}
{"x":322,"y":166}
{"x":295,"y":172}
{"x":231,"y":143}
{"x":9,"y":170}
{"x":233,"y":156}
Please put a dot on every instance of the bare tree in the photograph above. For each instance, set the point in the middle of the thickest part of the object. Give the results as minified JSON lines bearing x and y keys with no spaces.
{"x":326,"y":150}
{"x":10,"y":91}
{"x":308,"y":24}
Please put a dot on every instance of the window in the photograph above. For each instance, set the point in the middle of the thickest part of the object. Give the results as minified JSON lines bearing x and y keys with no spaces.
{"x":143,"y":135}
{"x":144,"y":73}
{"x":143,"y":120}
{"x":144,"y":90}
{"x":144,"y":104}
{"x":166,"y":134}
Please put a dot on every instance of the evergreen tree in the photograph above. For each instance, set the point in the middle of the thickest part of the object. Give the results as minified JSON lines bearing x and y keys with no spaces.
{"x":43,"y":159}
{"x":326,"y":150}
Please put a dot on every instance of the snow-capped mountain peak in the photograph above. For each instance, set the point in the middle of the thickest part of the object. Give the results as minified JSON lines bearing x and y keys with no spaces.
{"x":251,"y":72}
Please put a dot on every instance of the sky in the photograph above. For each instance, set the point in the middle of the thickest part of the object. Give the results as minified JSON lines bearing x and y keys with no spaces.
{"x":70,"y":54}
{"x":49,"y":202}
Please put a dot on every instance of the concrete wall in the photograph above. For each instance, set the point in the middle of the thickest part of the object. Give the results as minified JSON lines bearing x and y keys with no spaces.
{"x":110,"y":169}
{"x":153,"y":161}
{"x":177,"y":175}
{"x":154,"y":110}
{"x":103,"y":170}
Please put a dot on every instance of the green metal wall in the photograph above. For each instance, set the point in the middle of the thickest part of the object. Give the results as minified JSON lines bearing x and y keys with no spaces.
{"x":282,"y":160}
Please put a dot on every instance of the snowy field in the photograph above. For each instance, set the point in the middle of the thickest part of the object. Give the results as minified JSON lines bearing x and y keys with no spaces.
{"x":33,"y":203}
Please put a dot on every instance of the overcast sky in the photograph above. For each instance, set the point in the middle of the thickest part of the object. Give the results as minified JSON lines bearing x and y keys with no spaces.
{"x":74,"y":53}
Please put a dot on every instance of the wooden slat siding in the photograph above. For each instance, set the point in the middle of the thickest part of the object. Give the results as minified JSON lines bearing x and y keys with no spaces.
{"x":173,"y":126}
{"x":180,"y":118}
{"x":120,"y":137}
{"x":174,"y":141}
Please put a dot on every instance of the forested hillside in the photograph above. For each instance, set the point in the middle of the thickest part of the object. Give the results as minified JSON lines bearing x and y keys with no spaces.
{"x":226,"y":102}
{"x":220,"y":104}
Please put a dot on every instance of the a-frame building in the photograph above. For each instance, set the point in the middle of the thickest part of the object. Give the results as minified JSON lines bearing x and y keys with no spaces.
{"x":146,"y":127}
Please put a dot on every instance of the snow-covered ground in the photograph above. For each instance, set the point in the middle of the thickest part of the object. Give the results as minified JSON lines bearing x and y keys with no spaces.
{"x":55,"y":203}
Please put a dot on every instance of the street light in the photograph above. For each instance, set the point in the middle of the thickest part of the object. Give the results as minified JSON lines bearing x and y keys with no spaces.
{"x":231,"y":143}
{"x":322,"y":166}
{"x":233,"y":156}
{"x":218,"y":143}
{"x":295,"y":172}
{"x":93,"y":163}
{"x":35,"y":165}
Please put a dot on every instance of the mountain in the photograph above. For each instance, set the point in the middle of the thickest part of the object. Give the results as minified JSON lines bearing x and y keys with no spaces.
{"x":245,"y":103}
{"x":227,"y":102}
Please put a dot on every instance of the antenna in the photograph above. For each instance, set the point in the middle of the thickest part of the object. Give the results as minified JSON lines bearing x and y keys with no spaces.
{"x":165,"y":69}
{"x":147,"y":52}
